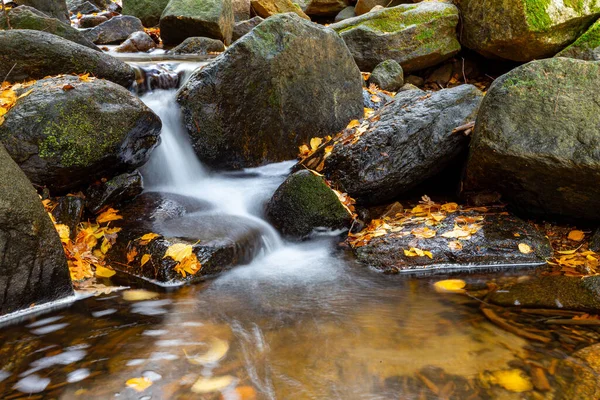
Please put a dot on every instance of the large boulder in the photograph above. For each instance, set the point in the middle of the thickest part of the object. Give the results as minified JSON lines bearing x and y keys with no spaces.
{"x":33,"y":268}
{"x":410,"y":141}
{"x":198,"y":45}
{"x":148,"y":11}
{"x":267,"y":8}
{"x":523,"y":30}
{"x":25,"y":17}
{"x":586,"y":47}
{"x":241,"y":10}
{"x":417,"y":36}
{"x":28,"y":54}
{"x":53,"y":8}
{"x":218,"y":241}
{"x":67,"y":133}
{"x":304,"y":203}
{"x":536,"y":139}
{"x":462,"y":240}
{"x":577,"y":375}
{"x":182,"y":19}
{"x":285,"y":82}
{"x":115,"y":30}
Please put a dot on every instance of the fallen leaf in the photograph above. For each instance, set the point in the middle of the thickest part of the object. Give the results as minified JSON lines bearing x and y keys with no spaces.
{"x":218,"y":350}
{"x":576,"y":236}
{"x":315,"y":143}
{"x":64,"y":232}
{"x":423,"y":233}
{"x":147,"y":238}
{"x":109,"y":215}
{"x":514,"y":380}
{"x":68,"y":87}
{"x":188,"y":266}
{"x":209,"y":385}
{"x":525,"y":248}
{"x":455,"y":245}
{"x":416,"y":252}
{"x":105,"y":246}
{"x":145,"y":259}
{"x":138,"y":295}
{"x":179,"y":251}
{"x":353,"y":124}
{"x":139,"y":384}
{"x":104,"y":272}
{"x":450,"y":286}
{"x":131,"y":254}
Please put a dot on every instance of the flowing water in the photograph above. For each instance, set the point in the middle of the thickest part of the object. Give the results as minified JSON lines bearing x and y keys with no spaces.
{"x":301,"y":321}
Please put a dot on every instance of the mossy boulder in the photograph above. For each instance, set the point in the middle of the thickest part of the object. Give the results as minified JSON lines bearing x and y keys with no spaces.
{"x":115,"y":30}
{"x":552,"y":291}
{"x":524,"y":30}
{"x":29,"y":54}
{"x":410,"y":141}
{"x":148,"y":11}
{"x":198,"y":45}
{"x":53,"y":8}
{"x":387,"y":75}
{"x":536,"y":139}
{"x":417,"y":36}
{"x":586,"y":47}
{"x":25,"y":17}
{"x":267,"y":8}
{"x":274,"y":89}
{"x":68,"y":133}
{"x":304,"y":203}
{"x":33,"y":269}
{"x":182,"y":19}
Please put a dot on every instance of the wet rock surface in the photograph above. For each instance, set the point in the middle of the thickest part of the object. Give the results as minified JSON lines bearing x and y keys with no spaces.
{"x":25,"y":17}
{"x":64,"y":139}
{"x":115,"y":30}
{"x":411,"y":141}
{"x":494,"y":245}
{"x":182,"y":19}
{"x":114,"y":192}
{"x":541,"y":155}
{"x":416,"y":36}
{"x":553,"y":292}
{"x":219,"y":241}
{"x":33,"y":267}
{"x":578,"y":375}
{"x":68,"y":211}
{"x":304,"y":203}
{"x":36,"y":55}
{"x":267,"y":73}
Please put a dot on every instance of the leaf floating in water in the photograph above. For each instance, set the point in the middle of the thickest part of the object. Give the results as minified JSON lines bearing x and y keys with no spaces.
{"x":139,"y":384}
{"x":576,"y":236}
{"x":218,"y":350}
{"x":450,"y":286}
{"x":209,"y":385}
{"x":104,"y":272}
{"x":139,"y":294}
{"x":514,"y":380}
{"x":525,"y":248}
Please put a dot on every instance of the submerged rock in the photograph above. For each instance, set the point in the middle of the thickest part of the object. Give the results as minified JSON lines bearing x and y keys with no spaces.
{"x":577,"y":375}
{"x":148,"y":11}
{"x":493,"y":246}
{"x":411,"y":141}
{"x":36,"y":55}
{"x":267,"y":8}
{"x":553,"y":291}
{"x":199,"y":45}
{"x":66,"y":138}
{"x":33,"y":269}
{"x":182,"y":19}
{"x":416,"y":36}
{"x":586,"y":47}
{"x":115,"y":30}
{"x":219,"y":241}
{"x":24,"y":17}
{"x":264,"y":97}
{"x":388,"y":75}
{"x":243,"y":27}
{"x":536,"y":139}
{"x":523,"y":30}
{"x":53,"y":8}
{"x":114,"y":192}
{"x":304,"y":203}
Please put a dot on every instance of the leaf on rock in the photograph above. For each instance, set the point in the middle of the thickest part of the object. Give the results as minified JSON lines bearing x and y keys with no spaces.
{"x":139,"y":384}
{"x":147,"y":238}
{"x":576,"y":236}
{"x":188,"y":266}
{"x":63,"y":232}
{"x":109,"y":215}
{"x":104,"y":272}
{"x":131,"y":254}
{"x":179,"y":251}
{"x":145,"y":259}
{"x":106,"y":245}
{"x":353,"y":124}
{"x":423,"y":233}
{"x":416,"y":252}
{"x":455,"y":245}
{"x":315,"y":143}
{"x":525,"y":248}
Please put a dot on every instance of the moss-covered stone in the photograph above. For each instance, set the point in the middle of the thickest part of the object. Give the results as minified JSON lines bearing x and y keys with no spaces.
{"x":417,"y":36}
{"x":148,"y":11}
{"x":536,"y":139}
{"x":304,"y":203}
{"x":66,"y":138}
{"x":189,"y":18}
{"x":25,"y":17}
{"x":586,"y":47}
{"x":52,"y":8}
{"x":523,"y":30}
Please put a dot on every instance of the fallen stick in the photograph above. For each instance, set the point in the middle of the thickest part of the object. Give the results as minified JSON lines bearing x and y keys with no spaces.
{"x":573,"y":322}
{"x":494,"y":318}
{"x":464,"y":128}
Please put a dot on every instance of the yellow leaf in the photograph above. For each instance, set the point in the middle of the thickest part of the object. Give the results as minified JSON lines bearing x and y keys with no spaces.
{"x":84,"y":77}
{"x":188,"y":266}
{"x":63,"y":232}
{"x":449,"y":207}
{"x":104,"y":272}
{"x":375,"y":99}
{"x":416,"y":252}
{"x":525,"y":248}
{"x":139,"y":384}
{"x":109,"y":215}
{"x":27,"y":93}
{"x":147,"y":238}
{"x":423,"y":233}
{"x":455,"y":245}
{"x":576,"y":236}
{"x":450,"y":286}
{"x":304,"y":150}
{"x":105,"y":246}
{"x":209,"y":385}
{"x":131,"y":254}
{"x":514,"y":380}
{"x":315,"y":143}
{"x":139,"y":294}
{"x":145,"y":259}
{"x":568,"y":252}
{"x":353,"y":124}
{"x":218,"y":350}
{"x":179,"y":251}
